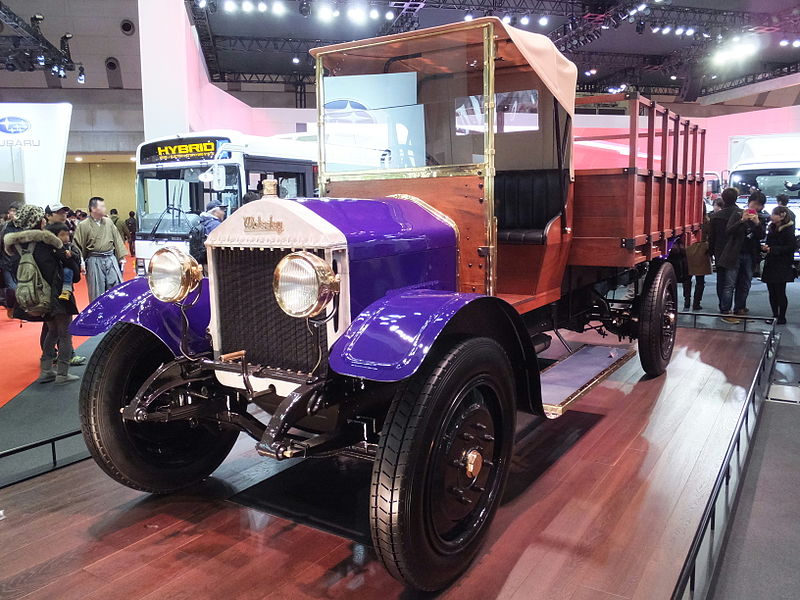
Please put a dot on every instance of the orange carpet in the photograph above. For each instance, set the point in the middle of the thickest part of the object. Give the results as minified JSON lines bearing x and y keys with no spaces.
{"x":19,"y":341}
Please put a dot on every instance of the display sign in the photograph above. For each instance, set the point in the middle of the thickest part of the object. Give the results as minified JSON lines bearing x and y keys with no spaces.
{"x":33,"y":145}
{"x":180,"y":149}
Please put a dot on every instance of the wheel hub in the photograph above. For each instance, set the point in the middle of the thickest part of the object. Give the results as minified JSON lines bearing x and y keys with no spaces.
{"x":474,"y":463}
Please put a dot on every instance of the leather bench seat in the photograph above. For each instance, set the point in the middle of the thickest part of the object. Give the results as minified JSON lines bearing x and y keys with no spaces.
{"x":525,"y":202}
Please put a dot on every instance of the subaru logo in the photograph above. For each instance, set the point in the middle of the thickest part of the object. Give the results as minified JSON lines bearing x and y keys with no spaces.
{"x":14,"y":125}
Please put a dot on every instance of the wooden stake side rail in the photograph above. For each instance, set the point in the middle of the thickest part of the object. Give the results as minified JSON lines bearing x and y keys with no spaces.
{"x":624,"y":216}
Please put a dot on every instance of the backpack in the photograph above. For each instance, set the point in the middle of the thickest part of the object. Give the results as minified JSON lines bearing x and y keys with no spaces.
{"x":33,"y":292}
{"x":197,"y":239}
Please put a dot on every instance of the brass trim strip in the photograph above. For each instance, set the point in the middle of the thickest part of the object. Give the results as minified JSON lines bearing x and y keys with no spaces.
{"x":412,"y":173}
{"x":320,"y":126}
{"x":489,"y":53}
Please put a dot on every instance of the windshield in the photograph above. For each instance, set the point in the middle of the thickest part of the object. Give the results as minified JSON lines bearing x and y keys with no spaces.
{"x":169,"y":201}
{"x":405,"y":104}
{"x":770,"y":182}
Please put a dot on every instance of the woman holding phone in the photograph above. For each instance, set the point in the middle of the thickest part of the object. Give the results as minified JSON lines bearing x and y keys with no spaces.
{"x":779,"y":249}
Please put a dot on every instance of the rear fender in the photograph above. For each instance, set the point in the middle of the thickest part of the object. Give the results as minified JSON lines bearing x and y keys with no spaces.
{"x":390,"y":339}
{"x":133,"y":302}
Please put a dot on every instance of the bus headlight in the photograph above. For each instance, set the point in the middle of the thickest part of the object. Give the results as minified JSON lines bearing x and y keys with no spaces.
{"x":304,"y":284}
{"x":172,"y":275}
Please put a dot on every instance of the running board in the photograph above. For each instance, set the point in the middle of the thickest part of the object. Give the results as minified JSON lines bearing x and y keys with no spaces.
{"x":570,"y":378}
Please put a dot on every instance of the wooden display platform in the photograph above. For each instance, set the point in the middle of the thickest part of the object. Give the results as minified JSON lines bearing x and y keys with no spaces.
{"x":602,"y":504}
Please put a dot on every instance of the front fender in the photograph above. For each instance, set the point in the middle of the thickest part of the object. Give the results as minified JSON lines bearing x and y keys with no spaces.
{"x":391,"y":337}
{"x":133,"y":302}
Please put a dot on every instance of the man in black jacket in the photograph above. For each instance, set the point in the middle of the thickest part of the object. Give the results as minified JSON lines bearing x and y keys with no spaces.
{"x":745,"y":231}
{"x":717,"y":240}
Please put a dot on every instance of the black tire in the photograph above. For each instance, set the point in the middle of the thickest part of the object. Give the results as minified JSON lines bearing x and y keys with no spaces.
{"x":658,"y":309}
{"x":423,"y":531}
{"x":152,"y":457}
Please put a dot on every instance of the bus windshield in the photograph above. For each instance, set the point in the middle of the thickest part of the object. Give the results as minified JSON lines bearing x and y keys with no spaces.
{"x":169,"y":201}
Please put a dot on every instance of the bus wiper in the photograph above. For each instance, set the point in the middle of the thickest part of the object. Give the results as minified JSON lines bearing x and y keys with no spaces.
{"x":169,"y":208}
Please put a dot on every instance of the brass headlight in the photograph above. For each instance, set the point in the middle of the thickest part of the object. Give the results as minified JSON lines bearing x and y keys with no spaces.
{"x":172,"y":274}
{"x":304,"y":284}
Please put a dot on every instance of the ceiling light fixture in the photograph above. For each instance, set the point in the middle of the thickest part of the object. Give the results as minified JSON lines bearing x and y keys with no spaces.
{"x":796,"y":44}
{"x":357,"y":15}
{"x":201,"y":4}
{"x":247,"y":6}
{"x":468,"y":17}
{"x":325,"y":13}
{"x":230,"y":6}
{"x":374,"y":14}
{"x":506,"y":19}
{"x":278,"y":8}
{"x":666,"y":29}
{"x":524,"y":20}
{"x":262,"y":7}
{"x":78,"y":159}
{"x":389,"y":15}
{"x":679,"y":30}
{"x":543,"y":21}
{"x":690,"y":31}
{"x":784,"y":43}
{"x":296,"y":60}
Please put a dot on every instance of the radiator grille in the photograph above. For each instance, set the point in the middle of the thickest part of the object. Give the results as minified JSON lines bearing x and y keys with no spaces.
{"x":250,"y":318}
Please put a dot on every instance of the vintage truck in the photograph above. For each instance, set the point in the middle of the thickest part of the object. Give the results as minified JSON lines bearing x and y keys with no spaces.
{"x":397,"y":318}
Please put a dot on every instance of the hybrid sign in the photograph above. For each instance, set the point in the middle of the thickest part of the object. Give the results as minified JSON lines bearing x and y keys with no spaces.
{"x":180,"y":149}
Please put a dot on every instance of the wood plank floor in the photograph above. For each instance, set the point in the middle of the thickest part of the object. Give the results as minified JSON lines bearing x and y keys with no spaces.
{"x":602,"y":504}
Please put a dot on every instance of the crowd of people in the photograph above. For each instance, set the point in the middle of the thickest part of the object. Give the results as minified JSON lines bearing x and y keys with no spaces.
{"x":747,"y":243}
{"x":43,"y":253}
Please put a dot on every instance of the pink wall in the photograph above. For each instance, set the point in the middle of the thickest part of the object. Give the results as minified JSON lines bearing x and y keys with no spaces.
{"x":177,"y":95}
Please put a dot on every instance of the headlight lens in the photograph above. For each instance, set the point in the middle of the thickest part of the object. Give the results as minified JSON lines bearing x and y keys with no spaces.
{"x":304,"y":284}
{"x":172,"y":274}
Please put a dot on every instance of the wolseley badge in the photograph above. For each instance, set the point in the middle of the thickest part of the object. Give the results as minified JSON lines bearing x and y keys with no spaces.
{"x":259,"y":224}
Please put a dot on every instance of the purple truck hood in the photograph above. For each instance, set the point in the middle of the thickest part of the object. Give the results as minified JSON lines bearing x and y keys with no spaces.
{"x":381,"y":227}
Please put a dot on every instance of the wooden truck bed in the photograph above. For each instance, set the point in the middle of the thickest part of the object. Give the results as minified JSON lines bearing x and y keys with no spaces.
{"x":624,"y":215}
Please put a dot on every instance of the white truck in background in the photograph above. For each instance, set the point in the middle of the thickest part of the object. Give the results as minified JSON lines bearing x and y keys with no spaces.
{"x":767,"y":163}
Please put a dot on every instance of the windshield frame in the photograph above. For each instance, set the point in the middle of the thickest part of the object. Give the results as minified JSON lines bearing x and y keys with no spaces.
{"x":454,"y":170}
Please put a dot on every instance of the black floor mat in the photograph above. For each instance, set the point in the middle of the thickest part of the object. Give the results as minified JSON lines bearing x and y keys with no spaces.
{"x":331,"y":494}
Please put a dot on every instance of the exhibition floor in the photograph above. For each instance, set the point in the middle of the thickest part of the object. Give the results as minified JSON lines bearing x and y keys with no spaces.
{"x":601,"y":503}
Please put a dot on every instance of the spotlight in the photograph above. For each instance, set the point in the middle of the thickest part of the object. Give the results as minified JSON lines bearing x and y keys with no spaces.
{"x":673,"y":77}
{"x":784,"y":42}
{"x":230,"y":6}
{"x":78,"y":159}
{"x":296,"y":60}
{"x":61,"y":72}
{"x":593,"y":71}
{"x":10,"y":65}
{"x":304,"y":8}
{"x":357,"y":15}
{"x":666,"y":29}
{"x":524,"y":20}
{"x":640,"y":27}
{"x":278,"y":8}
{"x":543,"y":21}
{"x":609,"y":22}
{"x":81,"y":76}
{"x":468,"y":17}
{"x":679,"y":30}
{"x":642,"y":6}
{"x":262,"y":7}
{"x":54,"y":70}
{"x":506,"y":19}
{"x":325,"y":13}
{"x":40,"y":60}
{"x":374,"y":14}
{"x":247,"y":6}
{"x":587,"y":73}
{"x":713,"y":77}
{"x":389,"y":15}
{"x":201,"y":4}
{"x":737,"y":39}
{"x":690,"y":31}
{"x":796,"y":44}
